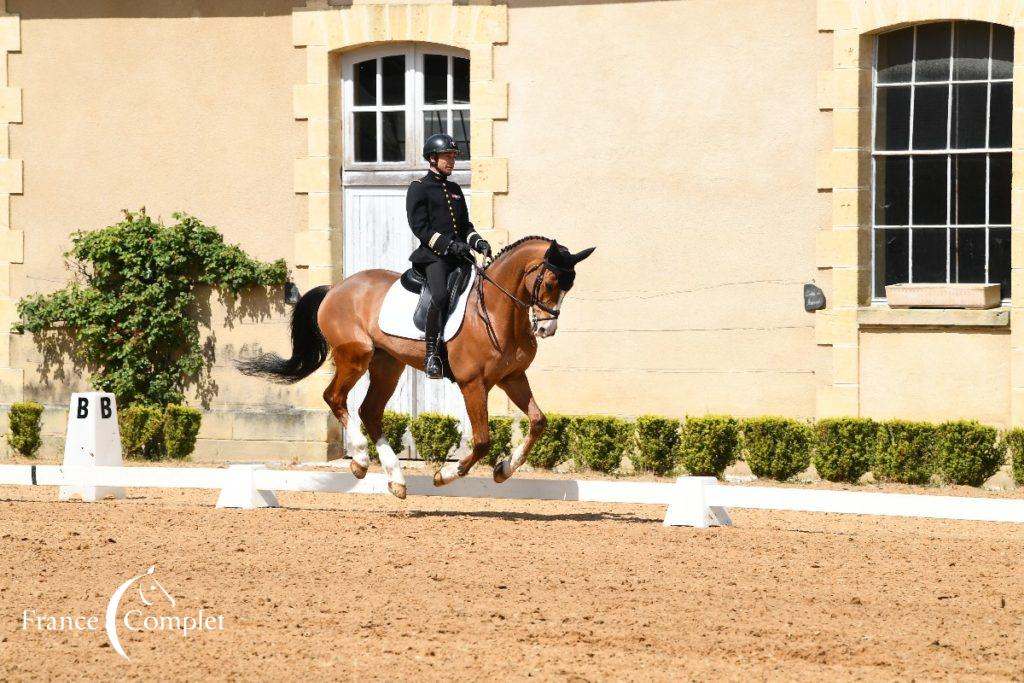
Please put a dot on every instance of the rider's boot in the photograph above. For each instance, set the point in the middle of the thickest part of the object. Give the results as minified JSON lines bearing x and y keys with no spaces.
{"x":432,"y":362}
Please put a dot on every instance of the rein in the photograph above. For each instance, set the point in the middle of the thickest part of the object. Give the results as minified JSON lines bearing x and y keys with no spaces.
{"x":534,"y":296}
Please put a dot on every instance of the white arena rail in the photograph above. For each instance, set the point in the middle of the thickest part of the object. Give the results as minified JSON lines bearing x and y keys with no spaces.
{"x":691,"y":501}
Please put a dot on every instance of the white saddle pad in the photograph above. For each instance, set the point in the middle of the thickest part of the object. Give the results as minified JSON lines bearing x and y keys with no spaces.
{"x":399,"y":304}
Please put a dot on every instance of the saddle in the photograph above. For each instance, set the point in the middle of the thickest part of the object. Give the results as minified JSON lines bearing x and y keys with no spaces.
{"x":414,"y":281}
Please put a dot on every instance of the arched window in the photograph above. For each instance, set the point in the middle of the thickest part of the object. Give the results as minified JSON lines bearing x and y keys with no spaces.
{"x":397,"y":96}
{"x":941,"y":155}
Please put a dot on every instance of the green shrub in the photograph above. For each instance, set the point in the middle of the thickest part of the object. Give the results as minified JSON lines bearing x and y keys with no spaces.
{"x":141,"y":432}
{"x":393,"y":425}
{"x":904,"y":452}
{"x":598,"y":442}
{"x":501,"y":439}
{"x":776,"y":447}
{"x":708,"y":444}
{"x":656,"y":440}
{"x":181,"y":427}
{"x":1014,"y":443}
{"x":552,"y":448}
{"x":844,"y":448}
{"x":967,"y":452}
{"x":24,"y":419}
{"x":435,"y":435}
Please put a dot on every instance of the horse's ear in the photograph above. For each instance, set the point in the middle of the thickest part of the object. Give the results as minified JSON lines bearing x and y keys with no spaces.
{"x":552,"y":250}
{"x":576,"y":258}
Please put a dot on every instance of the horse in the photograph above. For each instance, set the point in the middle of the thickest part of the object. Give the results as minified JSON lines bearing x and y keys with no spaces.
{"x":494,"y":347}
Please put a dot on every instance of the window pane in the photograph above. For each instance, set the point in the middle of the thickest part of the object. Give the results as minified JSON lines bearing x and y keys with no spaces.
{"x":434,"y":122}
{"x":435,"y":79}
{"x":364,"y":135}
{"x":460,"y":121}
{"x":892,"y":128}
{"x":365,"y":76}
{"x":970,"y":54}
{"x":891,"y":258}
{"x":999,"y":122}
{"x":393,"y":79}
{"x":929,"y":262}
{"x":969,"y":103}
{"x":892,"y":190}
{"x":999,"y":189}
{"x":999,"y":259}
{"x":933,"y":48}
{"x":1002,"y":52}
{"x":929,"y":190}
{"x":393,"y":132}
{"x":968,"y":183}
{"x":967,"y":255}
{"x":930,"y":106}
{"x":895,"y":51}
{"x":460,"y":80}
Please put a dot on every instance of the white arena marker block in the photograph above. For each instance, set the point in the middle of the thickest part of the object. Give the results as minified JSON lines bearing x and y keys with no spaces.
{"x":689,"y":505}
{"x":93,"y":439}
{"x":240,"y":490}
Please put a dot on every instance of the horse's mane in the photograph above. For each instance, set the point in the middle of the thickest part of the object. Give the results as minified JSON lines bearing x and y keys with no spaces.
{"x":510,"y":247}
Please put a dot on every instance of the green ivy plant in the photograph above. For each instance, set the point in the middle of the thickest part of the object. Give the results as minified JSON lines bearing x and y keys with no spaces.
{"x":129,"y":309}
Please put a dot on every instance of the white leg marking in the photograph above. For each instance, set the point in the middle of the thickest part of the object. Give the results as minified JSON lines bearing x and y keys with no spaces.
{"x":389,"y":461}
{"x":518,"y":457}
{"x":357,"y":443}
{"x":450,"y":472}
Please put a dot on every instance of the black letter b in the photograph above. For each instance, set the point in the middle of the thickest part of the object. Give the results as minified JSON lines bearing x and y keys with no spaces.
{"x":83,"y":407}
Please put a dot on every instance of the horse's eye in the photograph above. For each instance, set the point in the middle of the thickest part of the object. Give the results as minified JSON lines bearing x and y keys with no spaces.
{"x":550,"y":287}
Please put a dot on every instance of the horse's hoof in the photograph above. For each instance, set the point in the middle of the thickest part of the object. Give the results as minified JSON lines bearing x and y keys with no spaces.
{"x":438,"y":479}
{"x":357,"y":470}
{"x":499,"y":474}
{"x":397,"y":490}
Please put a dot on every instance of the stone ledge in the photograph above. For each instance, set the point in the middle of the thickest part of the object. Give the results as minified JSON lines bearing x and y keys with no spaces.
{"x":883,"y":316}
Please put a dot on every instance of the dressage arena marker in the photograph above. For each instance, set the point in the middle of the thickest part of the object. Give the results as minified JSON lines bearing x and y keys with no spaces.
{"x":92,"y":469}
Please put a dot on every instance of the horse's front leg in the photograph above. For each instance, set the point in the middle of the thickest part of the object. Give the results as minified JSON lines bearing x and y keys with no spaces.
{"x":518,"y":389}
{"x":475,"y":395}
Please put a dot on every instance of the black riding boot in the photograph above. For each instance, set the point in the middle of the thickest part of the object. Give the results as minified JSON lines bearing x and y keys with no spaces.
{"x":432,"y":362}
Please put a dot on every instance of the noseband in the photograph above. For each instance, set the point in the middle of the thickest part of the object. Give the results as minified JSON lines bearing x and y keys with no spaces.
{"x":534,"y":294}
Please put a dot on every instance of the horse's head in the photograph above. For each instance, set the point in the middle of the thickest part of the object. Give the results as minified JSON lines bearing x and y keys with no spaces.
{"x":555,"y":276}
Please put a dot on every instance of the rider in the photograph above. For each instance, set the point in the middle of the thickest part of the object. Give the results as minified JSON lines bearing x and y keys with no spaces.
{"x":439,"y":218}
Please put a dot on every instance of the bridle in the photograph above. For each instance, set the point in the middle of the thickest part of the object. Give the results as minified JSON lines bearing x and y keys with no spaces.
{"x":534,"y":295}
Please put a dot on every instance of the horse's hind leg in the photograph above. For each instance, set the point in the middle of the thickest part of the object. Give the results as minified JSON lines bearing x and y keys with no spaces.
{"x":350,"y":363}
{"x":385,"y":372}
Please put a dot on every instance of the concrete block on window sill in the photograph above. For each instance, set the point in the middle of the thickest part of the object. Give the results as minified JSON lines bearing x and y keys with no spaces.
{"x":942,"y":295}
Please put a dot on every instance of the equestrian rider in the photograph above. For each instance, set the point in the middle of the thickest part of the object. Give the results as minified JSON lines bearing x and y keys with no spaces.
{"x":438,"y":216}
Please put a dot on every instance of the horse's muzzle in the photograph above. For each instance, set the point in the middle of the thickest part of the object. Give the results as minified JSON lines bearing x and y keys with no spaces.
{"x":546,"y":328}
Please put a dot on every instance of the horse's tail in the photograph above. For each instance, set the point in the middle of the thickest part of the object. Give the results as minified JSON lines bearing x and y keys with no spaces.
{"x":309,"y":348}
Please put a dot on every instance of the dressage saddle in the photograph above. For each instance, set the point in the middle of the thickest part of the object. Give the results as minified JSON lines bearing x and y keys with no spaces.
{"x":415,"y":282}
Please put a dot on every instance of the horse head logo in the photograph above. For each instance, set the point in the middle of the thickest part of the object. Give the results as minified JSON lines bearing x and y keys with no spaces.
{"x":150,"y":590}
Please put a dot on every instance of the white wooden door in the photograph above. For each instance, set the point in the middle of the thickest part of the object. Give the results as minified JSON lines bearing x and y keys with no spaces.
{"x":377,"y":235}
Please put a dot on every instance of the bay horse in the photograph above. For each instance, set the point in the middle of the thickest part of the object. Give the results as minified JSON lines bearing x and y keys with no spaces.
{"x":495,"y":345}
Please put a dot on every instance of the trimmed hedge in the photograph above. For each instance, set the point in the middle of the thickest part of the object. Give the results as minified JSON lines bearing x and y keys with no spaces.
{"x":501,"y":439}
{"x":24,"y":419}
{"x":181,"y":428}
{"x":904,"y":452}
{"x":844,"y":448}
{"x":656,"y":439}
{"x":708,"y":444}
{"x":435,"y":435}
{"x":393,"y":425}
{"x":141,"y":432}
{"x":598,"y":442}
{"x":777,"y":447}
{"x":967,"y":452}
{"x":552,"y":448}
{"x":1013,"y":440}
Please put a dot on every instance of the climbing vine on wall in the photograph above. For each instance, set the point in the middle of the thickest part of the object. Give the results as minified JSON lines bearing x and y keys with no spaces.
{"x":129,"y":312}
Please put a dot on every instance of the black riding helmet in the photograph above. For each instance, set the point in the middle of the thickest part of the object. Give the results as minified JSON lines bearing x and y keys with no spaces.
{"x":438,"y":143}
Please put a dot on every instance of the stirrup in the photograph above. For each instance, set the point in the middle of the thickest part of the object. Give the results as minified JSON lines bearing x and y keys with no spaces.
{"x":432,"y":362}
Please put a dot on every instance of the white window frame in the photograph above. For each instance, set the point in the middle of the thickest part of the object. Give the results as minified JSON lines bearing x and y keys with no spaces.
{"x":414,"y":107}
{"x":910,"y":153}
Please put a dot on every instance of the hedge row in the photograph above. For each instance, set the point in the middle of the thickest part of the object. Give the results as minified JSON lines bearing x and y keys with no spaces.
{"x":842,"y":449}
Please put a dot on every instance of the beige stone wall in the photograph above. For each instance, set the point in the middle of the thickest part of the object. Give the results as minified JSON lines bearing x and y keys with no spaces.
{"x":171,"y":106}
{"x":687,"y":156}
